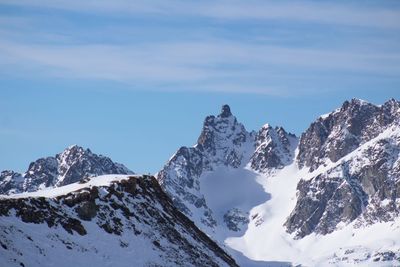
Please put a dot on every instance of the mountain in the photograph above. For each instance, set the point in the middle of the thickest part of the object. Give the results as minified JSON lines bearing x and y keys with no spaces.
{"x":357,"y":171}
{"x":73,"y":164}
{"x":274,"y":149}
{"x":332,"y":197}
{"x":336,"y":134}
{"x":215,"y":182}
{"x":105,"y":221}
{"x":223,"y":143}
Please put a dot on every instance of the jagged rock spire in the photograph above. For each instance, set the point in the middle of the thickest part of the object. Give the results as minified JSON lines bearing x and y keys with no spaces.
{"x":225,"y":111}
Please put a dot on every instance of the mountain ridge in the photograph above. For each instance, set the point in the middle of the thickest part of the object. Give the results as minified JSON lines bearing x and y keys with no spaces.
{"x":269,"y":197}
{"x":357,"y":191}
{"x":130,"y":214}
{"x":71,"y":165}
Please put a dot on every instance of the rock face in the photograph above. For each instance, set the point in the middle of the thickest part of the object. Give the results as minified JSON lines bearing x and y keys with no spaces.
{"x":223,"y":142}
{"x":274,"y":149}
{"x":355,"y":155}
{"x":128,"y":222}
{"x":11,"y":182}
{"x":70,"y":166}
{"x":335,"y":135}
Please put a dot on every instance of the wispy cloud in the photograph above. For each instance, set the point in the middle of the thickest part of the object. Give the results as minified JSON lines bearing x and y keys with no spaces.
{"x":190,"y":63}
{"x":346,"y":13}
{"x":203,"y":56}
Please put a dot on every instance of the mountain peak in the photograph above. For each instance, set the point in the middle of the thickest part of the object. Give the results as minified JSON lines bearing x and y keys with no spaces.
{"x":359,"y":101}
{"x":392,"y":104}
{"x":225,"y":111}
{"x":355,"y":103}
{"x":266,"y":126}
{"x":71,"y":165}
{"x":338,"y":133}
{"x":75,"y":148}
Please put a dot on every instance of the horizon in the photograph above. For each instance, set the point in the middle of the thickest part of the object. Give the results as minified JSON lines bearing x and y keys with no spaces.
{"x":134,"y":81}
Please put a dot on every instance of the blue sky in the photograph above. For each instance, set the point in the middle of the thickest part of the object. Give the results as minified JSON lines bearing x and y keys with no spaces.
{"x":133,"y":80}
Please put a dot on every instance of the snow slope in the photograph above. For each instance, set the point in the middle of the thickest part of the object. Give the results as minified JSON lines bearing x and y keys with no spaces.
{"x":107,"y":221}
{"x":266,"y":238}
{"x":357,"y":199}
{"x":103,"y":180}
{"x":333,"y":200}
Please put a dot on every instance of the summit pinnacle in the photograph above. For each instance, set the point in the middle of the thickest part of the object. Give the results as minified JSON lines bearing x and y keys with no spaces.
{"x":225,"y":112}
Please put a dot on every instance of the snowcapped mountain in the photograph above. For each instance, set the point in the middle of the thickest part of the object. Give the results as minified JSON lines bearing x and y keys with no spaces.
{"x":336,"y":134}
{"x":274,"y":149}
{"x":223,"y":142}
{"x":339,"y":202}
{"x":105,"y":221}
{"x":215,"y":182}
{"x":73,"y":164}
{"x":333,"y":197}
{"x":357,"y":173}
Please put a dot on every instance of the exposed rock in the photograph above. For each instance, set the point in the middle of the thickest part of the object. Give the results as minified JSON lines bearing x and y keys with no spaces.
{"x":274,"y":149}
{"x":135,"y":205}
{"x":223,"y":142}
{"x":335,"y":135}
{"x":70,"y":166}
{"x":360,"y":184}
{"x":235,"y":219}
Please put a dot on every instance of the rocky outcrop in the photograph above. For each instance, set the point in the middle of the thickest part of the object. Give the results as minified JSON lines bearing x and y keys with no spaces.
{"x":274,"y":149}
{"x":360,"y":181}
{"x":223,"y":142}
{"x":73,"y":164}
{"x":11,"y":182}
{"x":134,"y":210}
{"x":338,"y":133}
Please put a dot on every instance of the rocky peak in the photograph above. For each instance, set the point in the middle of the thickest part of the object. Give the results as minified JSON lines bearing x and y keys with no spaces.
{"x":225,"y":111}
{"x":40,"y":174}
{"x":391,"y":106}
{"x":73,"y":153}
{"x":359,"y":147}
{"x":363,"y":186}
{"x":333,"y":136}
{"x":11,"y":181}
{"x":223,"y":142}
{"x":73,"y":164}
{"x":274,"y":148}
{"x":224,"y":139}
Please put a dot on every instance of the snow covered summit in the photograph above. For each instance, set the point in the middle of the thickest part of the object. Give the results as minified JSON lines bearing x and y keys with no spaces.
{"x":275,"y":198}
{"x":73,"y":164}
{"x":225,"y":162}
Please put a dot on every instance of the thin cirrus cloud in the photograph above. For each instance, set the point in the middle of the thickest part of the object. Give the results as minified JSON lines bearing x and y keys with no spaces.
{"x":213,"y":62}
{"x":350,"y":13}
{"x":189,"y":61}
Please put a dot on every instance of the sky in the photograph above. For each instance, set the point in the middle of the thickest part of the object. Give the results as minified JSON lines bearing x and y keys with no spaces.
{"x":134,"y":80}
